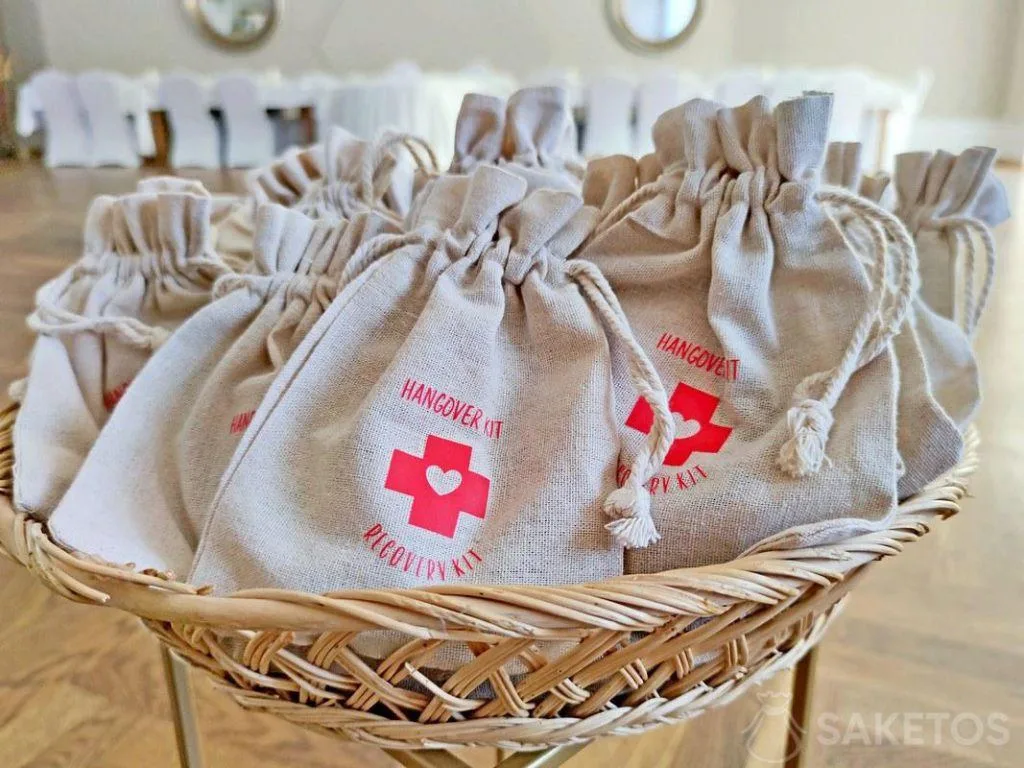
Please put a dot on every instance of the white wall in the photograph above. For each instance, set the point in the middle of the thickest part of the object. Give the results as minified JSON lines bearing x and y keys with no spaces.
{"x":968,"y":44}
{"x":971,"y":45}
{"x":1015,"y":77}
{"x":517,"y":35}
{"x":21,"y":34}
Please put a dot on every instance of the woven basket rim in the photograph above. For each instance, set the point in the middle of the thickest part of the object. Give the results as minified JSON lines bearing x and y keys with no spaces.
{"x":640,"y":602}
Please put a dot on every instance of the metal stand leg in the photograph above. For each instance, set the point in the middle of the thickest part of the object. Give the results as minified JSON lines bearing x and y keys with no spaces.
{"x":179,"y":688}
{"x":426,"y":758}
{"x":439,"y":758}
{"x":549,"y":758}
{"x":800,"y":709}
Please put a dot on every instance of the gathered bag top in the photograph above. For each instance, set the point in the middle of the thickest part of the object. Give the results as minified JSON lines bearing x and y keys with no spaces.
{"x":947,"y":202}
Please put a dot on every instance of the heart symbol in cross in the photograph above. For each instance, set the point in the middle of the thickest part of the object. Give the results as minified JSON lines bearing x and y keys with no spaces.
{"x":685,"y":427}
{"x":443,"y":482}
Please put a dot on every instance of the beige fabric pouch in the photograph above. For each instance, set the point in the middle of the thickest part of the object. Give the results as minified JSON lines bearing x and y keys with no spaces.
{"x":144,"y":492}
{"x":148,"y":264}
{"x":928,"y":440}
{"x":450,"y":419}
{"x":948,"y":203}
{"x":763,"y":325}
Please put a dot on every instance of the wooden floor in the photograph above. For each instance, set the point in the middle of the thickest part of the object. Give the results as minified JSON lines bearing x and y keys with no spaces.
{"x":935,"y":634}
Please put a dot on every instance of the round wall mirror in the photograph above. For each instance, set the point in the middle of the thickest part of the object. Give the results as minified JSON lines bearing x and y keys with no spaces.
{"x":235,"y":23}
{"x":653,"y":26}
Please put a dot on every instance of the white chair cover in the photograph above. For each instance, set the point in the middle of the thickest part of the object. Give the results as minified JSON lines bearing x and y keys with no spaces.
{"x":250,"y":134}
{"x":404,"y":69}
{"x":659,"y":93}
{"x":479,"y":77}
{"x":195,"y":141}
{"x":850,"y":107}
{"x":567,"y":79}
{"x":320,"y":86}
{"x":740,"y":86}
{"x":352,"y":108}
{"x":400,"y":103}
{"x":609,"y":110}
{"x":67,"y":132}
{"x":792,"y":83}
{"x":904,"y":103}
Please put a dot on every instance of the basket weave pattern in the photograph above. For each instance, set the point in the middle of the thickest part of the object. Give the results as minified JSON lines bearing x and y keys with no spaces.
{"x":549,"y":665}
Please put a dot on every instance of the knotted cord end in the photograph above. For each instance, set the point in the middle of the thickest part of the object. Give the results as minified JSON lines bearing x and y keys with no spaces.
{"x":16,"y":390}
{"x":157,"y":336}
{"x":809,"y":422}
{"x":632,"y":526}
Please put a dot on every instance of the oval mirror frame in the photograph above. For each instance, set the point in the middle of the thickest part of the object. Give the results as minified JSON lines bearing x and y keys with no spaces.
{"x":615,"y":12}
{"x":195,"y":13}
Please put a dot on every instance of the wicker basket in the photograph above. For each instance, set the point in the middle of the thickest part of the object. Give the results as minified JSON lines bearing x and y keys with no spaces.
{"x":632,"y":652}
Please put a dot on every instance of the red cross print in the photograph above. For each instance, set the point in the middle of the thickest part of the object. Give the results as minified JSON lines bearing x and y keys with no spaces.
{"x":695,"y":433}
{"x":441,"y":485}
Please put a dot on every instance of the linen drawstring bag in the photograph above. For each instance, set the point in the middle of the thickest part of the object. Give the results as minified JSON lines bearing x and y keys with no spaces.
{"x":531,"y":135}
{"x":540,"y":139}
{"x":284,"y":181}
{"x":144,"y":492}
{"x":761,"y":321}
{"x":449,"y":419}
{"x":479,"y":138}
{"x":362,"y":175}
{"x":148,"y":264}
{"x":947,"y":201}
{"x":928,"y":442}
{"x":479,"y":132}
{"x":335,"y":179}
{"x":648,"y":169}
{"x":223,"y":213}
{"x":609,"y":181}
{"x":293,"y":174}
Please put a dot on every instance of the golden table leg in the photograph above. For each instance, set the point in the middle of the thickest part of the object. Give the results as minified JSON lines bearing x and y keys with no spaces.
{"x":308,"y":121}
{"x":800,"y":709}
{"x":161,"y":139}
{"x":883,"y":139}
{"x":548,"y":758}
{"x":426,"y":758}
{"x":440,"y":758}
{"x":179,"y":688}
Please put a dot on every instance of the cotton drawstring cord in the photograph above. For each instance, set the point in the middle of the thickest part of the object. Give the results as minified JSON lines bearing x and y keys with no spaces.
{"x":50,"y":320}
{"x":348,"y":199}
{"x":961,"y":228}
{"x":16,"y":390}
{"x":630,"y":505}
{"x":809,"y":419}
{"x":413,"y":145}
{"x":368,"y":252}
{"x":373,"y":250}
{"x":373,"y":159}
{"x":261,"y":285}
{"x":627,"y":206}
{"x":649,"y":191}
{"x":874,"y":256}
